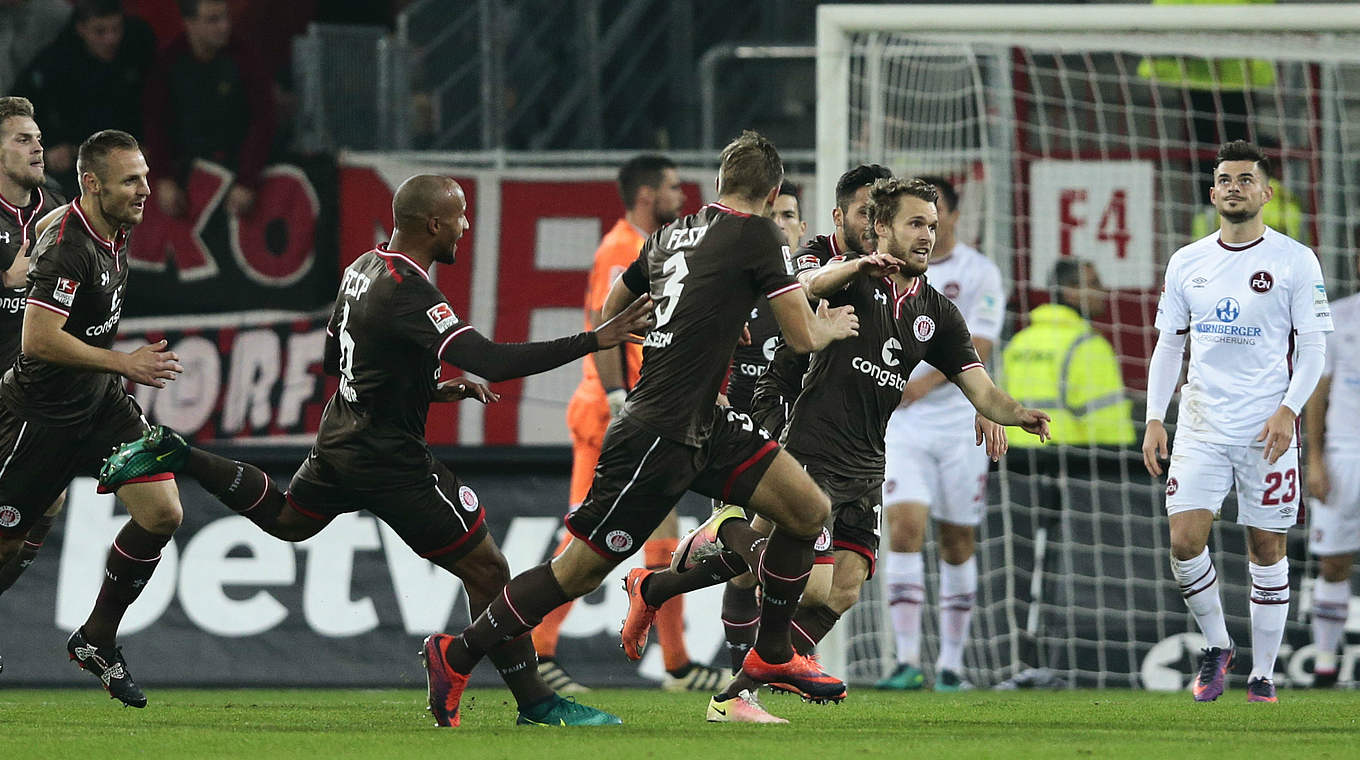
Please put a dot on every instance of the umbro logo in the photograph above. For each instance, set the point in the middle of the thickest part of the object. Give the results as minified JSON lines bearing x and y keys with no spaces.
{"x":1198,"y":282}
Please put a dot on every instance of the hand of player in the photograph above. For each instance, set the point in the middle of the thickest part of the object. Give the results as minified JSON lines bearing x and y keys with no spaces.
{"x":18,"y":269}
{"x":745,"y":339}
{"x":170,"y":198}
{"x":1036,"y":422}
{"x":723,"y":401}
{"x":152,"y":365}
{"x":992,"y":434}
{"x":240,"y":200}
{"x":1278,"y":433}
{"x":842,"y":320}
{"x":1154,"y":447}
{"x":1319,"y":482}
{"x":460,"y":388}
{"x":877,"y":265}
{"x":627,"y":325}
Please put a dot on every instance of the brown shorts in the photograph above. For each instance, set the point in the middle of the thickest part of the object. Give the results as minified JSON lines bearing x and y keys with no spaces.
{"x":856,"y":512}
{"x":641,"y":476}
{"x":435,"y":513}
{"x":37,"y":461}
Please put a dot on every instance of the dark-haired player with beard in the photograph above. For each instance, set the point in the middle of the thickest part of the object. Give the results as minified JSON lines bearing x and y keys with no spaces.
{"x":387,"y":334}
{"x":705,"y":271}
{"x":23,"y":201}
{"x":839,"y":421}
{"x":63,"y":405}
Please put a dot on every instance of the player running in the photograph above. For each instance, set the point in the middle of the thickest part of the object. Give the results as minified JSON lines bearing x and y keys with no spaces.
{"x":766,"y":393}
{"x":1248,"y":296}
{"x":705,"y":271}
{"x":23,"y":201}
{"x":63,"y":405}
{"x":934,"y":470}
{"x":838,"y":423}
{"x":387,"y":334}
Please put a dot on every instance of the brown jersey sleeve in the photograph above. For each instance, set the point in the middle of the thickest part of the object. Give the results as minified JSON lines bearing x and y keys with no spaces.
{"x":769,"y":263}
{"x":951,"y":349}
{"x":55,"y":278}
{"x":421,"y":315}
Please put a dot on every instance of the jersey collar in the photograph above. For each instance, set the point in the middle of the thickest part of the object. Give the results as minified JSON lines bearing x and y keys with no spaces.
{"x":18,"y":213}
{"x":900,"y":296}
{"x":1239,"y":247}
{"x":726,"y":209}
{"x":385,"y":252}
{"x":112,"y":246}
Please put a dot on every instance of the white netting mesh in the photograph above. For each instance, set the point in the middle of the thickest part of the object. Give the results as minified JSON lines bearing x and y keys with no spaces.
{"x":1099,"y":145}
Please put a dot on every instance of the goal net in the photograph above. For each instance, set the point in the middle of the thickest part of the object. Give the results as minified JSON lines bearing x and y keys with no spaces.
{"x":1089,"y":131}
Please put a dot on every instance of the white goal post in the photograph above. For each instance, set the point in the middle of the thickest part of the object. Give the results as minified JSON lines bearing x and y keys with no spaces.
{"x":1081,"y":131}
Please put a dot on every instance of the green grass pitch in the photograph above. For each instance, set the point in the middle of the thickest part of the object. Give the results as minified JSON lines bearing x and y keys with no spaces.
{"x":321,"y":723}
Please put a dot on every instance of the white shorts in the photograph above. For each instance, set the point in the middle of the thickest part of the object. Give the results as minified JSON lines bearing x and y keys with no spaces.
{"x":1334,"y":525}
{"x":1202,"y":474}
{"x":942,"y":469}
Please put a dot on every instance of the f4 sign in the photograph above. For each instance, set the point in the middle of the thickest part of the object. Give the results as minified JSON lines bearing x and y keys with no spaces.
{"x":1095,"y":210}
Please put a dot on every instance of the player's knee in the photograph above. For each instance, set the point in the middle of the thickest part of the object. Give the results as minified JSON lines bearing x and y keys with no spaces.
{"x":842,"y":597}
{"x":808,"y":521}
{"x":745,"y":580}
{"x":1335,"y":569}
{"x":1183,"y":548}
{"x":164,"y":519}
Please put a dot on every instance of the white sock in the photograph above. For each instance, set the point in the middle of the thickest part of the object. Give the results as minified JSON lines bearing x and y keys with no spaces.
{"x":905,"y":574}
{"x":958,"y":589}
{"x":1269,"y":611}
{"x":1199,"y":586}
{"x":1331,"y":604}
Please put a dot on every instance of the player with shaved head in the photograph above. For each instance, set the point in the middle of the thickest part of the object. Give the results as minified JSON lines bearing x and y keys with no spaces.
{"x":387,"y":334}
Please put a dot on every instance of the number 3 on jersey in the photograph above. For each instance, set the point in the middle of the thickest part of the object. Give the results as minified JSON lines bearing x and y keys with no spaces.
{"x":673,"y":274}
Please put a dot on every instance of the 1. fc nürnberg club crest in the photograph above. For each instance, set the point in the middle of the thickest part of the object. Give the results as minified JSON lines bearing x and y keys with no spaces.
{"x":1172,"y":486}
{"x":1262,"y":281}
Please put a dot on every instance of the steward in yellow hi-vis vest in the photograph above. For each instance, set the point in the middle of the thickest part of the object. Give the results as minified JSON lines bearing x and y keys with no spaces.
{"x":1062,"y":365}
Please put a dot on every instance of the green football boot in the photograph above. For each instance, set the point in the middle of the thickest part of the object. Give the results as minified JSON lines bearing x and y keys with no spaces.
{"x":566,"y":712}
{"x":948,"y":680}
{"x":905,"y":677}
{"x":159,"y":450}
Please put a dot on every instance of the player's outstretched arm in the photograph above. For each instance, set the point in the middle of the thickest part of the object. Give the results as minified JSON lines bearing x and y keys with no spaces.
{"x":992,"y":435}
{"x":804,"y":331}
{"x":459,"y":388}
{"x":1163,"y":372}
{"x":826,"y":281}
{"x":997,"y":405}
{"x":43,"y":338}
{"x":1315,"y":427}
{"x":472,"y":352}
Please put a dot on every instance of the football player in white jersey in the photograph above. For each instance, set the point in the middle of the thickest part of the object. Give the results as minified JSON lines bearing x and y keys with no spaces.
{"x":1334,"y":483}
{"x":1248,"y":297}
{"x":934,"y":468}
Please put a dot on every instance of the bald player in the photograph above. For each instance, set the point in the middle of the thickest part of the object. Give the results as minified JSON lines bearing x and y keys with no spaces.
{"x":387,"y":334}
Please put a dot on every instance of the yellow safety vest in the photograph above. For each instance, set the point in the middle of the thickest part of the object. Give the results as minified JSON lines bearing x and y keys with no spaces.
{"x":1206,"y":74}
{"x":1061,"y":365}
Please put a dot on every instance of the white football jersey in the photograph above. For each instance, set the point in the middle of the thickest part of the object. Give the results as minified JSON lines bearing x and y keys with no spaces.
{"x":1242,"y":305}
{"x":1343,"y":364}
{"x":973,"y":283}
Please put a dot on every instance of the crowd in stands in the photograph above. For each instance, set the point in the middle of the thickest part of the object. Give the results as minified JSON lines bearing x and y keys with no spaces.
{"x":191,"y":79}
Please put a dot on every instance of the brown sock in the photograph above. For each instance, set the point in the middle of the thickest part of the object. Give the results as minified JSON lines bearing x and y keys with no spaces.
{"x":518,"y":666}
{"x":810,"y":626}
{"x":132,"y":559}
{"x":738,"y":536}
{"x":27,"y":551}
{"x":514,"y":612}
{"x":660,"y":587}
{"x":243,"y":488}
{"x":783,"y":572}
{"x":740,"y":615}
